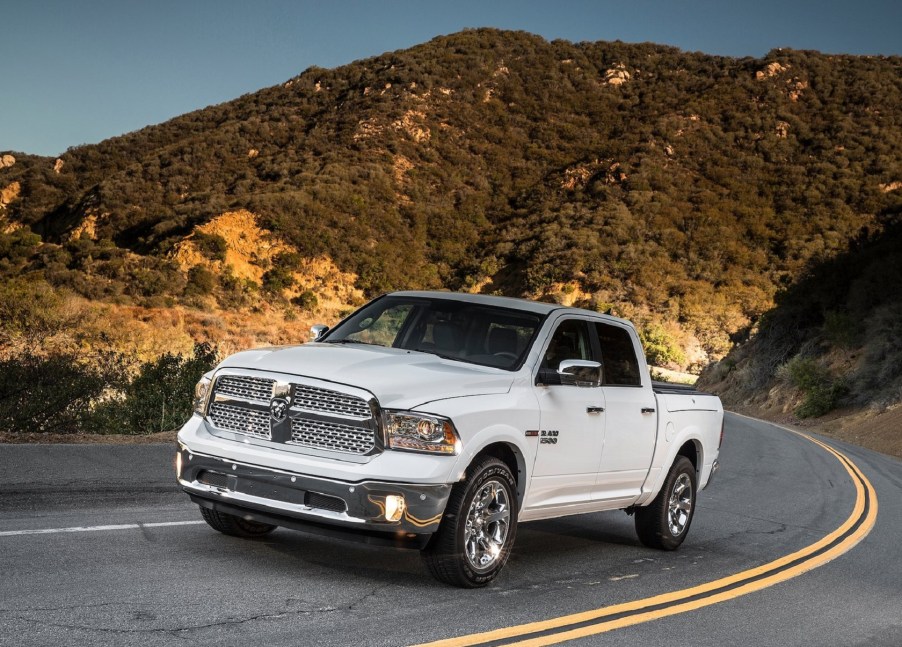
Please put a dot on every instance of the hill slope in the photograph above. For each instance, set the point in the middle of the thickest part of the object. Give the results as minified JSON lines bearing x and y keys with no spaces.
{"x":680,"y":189}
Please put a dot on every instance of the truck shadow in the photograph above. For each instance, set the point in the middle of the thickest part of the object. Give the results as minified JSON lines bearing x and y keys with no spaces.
{"x":605,"y":540}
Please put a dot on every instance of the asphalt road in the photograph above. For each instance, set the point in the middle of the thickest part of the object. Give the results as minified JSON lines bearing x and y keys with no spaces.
{"x":126,"y":578}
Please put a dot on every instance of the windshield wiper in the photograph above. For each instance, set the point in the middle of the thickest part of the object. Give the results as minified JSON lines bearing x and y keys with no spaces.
{"x":350,"y":341}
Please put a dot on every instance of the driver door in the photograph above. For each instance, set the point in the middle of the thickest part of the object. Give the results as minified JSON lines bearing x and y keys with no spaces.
{"x":571,"y":432}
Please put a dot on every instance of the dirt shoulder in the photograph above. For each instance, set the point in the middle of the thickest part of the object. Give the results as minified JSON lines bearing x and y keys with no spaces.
{"x":878,"y":431}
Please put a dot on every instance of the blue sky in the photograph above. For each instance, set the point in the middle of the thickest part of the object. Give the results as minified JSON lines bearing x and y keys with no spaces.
{"x":76,"y":72}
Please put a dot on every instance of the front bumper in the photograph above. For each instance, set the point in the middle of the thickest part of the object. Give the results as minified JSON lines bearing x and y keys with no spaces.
{"x":323,"y":506}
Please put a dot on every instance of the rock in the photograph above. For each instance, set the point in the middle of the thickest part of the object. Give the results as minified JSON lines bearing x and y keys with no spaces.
{"x":891,"y":186}
{"x":58,"y":165}
{"x":10,"y":193}
{"x":782,"y":129}
{"x":771,"y":69}
{"x":252,"y":153}
{"x":6,"y":161}
{"x":617,"y":75}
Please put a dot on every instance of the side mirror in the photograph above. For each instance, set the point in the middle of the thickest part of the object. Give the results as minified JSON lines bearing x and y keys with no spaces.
{"x":580,"y":372}
{"x":317,"y":331}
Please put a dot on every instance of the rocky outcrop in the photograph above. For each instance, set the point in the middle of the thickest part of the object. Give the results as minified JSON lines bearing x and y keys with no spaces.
{"x":10,"y":193}
{"x":87,"y":227}
{"x":771,"y":70}
{"x":412,"y":124}
{"x":617,"y":75}
{"x":249,"y":247}
{"x":7,"y":160}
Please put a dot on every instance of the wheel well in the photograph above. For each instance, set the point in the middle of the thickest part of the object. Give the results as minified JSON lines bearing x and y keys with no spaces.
{"x":691,"y":451}
{"x":511,"y":457}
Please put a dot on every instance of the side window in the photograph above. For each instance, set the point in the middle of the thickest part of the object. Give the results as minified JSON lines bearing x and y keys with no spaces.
{"x":621,"y":367}
{"x":570,"y":341}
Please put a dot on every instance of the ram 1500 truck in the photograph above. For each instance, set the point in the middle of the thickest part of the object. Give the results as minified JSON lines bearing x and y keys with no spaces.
{"x":440,"y":421}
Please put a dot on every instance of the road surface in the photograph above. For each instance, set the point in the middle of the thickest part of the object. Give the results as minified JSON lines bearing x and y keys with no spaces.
{"x":98,"y":547}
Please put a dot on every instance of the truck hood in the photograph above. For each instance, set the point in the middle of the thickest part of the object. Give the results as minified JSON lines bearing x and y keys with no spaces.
{"x":399,"y":379}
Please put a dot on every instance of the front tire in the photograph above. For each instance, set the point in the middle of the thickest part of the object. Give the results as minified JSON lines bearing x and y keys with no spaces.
{"x":229,"y":524}
{"x":664,"y":523}
{"x":478,"y":530}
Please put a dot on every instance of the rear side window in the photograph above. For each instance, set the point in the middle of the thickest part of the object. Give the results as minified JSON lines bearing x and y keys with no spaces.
{"x":620,"y":365}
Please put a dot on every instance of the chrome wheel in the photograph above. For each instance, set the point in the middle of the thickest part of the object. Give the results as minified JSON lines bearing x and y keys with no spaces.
{"x":487,"y":525}
{"x":679,"y":509}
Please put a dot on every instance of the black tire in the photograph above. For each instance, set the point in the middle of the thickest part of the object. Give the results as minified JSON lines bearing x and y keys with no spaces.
{"x":488,"y":499}
{"x":229,"y":524}
{"x":665,"y":522}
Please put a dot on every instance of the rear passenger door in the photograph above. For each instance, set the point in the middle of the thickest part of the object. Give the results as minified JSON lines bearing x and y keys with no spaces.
{"x":631,"y":429}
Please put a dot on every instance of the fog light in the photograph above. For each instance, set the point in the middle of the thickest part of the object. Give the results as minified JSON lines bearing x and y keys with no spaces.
{"x":394,"y":507}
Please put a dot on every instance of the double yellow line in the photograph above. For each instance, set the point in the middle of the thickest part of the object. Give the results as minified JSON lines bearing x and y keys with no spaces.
{"x":597,"y":621}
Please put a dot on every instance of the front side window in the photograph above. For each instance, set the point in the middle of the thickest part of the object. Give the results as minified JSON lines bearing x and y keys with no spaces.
{"x":570,"y":341}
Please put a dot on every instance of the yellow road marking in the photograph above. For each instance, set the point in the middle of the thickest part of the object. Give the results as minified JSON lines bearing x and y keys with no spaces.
{"x":810,"y":556}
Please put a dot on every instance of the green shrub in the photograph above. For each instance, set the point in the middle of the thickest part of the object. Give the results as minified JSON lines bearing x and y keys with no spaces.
{"x":823,"y":392}
{"x":56,"y":393}
{"x":213,"y":246}
{"x":201,"y":281}
{"x":660,"y":348}
{"x":277,"y":279}
{"x":159,"y":398}
{"x":306,"y":300}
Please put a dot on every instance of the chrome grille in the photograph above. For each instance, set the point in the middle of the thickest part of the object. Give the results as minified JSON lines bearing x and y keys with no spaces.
{"x":240,"y":419}
{"x":249,"y":388}
{"x":309,"y":398}
{"x":331,"y":436}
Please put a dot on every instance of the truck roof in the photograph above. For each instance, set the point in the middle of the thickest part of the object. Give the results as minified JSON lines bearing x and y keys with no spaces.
{"x":537,"y":307}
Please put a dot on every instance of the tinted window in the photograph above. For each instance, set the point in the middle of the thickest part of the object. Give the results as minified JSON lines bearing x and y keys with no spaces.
{"x":570,"y":341}
{"x":621,"y":368}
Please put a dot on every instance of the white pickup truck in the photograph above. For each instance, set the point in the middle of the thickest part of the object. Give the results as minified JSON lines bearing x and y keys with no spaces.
{"x":440,"y":421}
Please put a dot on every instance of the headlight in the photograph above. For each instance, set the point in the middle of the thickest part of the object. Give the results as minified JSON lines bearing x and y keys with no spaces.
{"x":201,"y":395}
{"x":420,"y":432}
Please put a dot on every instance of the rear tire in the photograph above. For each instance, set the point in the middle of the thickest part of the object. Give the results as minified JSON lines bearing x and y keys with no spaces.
{"x":478,"y":529}
{"x":229,"y":524}
{"x":664,"y":523}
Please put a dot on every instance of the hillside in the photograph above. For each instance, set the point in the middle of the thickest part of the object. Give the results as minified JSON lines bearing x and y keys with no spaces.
{"x":679,"y":189}
{"x":833,"y":341}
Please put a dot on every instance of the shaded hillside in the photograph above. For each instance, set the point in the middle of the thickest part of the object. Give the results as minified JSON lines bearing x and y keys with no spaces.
{"x":833,"y":339}
{"x":677,"y":188}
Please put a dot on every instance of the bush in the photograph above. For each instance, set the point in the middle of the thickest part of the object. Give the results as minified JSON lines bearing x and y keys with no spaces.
{"x":822,"y":391}
{"x":213,"y":246}
{"x":277,"y":279}
{"x":56,"y":393}
{"x":160,"y":397}
{"x":306,"y":300}
{"x":201,"y":281}
{"x":660,"y":348}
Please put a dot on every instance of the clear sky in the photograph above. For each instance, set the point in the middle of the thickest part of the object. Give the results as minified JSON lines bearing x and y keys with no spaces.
{"x":79,"y":71}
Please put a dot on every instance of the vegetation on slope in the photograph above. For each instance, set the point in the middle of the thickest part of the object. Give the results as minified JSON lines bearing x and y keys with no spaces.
{"x":679,"y":189}
{"x":833,"y":339}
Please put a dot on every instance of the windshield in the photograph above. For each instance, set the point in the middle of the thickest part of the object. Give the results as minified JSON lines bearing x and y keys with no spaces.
{"x":468,"y":332}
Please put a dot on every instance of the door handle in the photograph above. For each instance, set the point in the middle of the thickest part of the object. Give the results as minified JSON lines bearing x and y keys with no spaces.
{"x":594,"y":409}
{"x":648,"y":409}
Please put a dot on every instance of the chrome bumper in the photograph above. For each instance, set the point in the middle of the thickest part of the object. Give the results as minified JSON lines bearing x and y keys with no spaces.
{"x":308,"y":502}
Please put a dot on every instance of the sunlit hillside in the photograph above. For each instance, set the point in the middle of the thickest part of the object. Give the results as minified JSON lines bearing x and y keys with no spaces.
{"x":681,"y":190}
